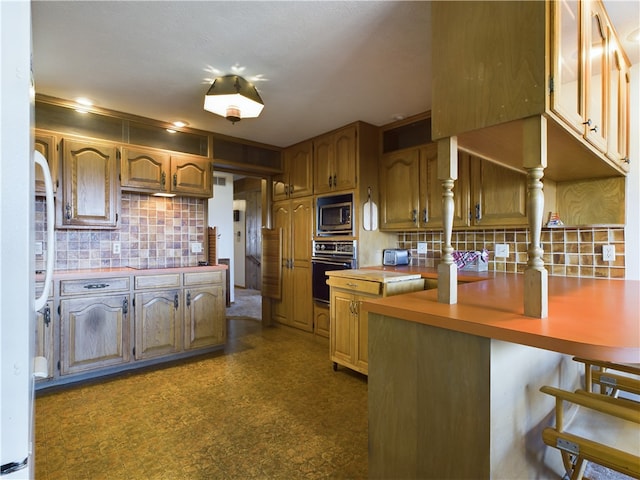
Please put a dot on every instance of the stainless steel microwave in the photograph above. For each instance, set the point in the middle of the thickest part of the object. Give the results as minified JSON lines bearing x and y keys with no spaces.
{"x":335,"y":219}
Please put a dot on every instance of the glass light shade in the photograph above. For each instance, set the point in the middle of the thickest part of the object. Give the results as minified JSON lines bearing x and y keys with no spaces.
{"x":234,"y":98}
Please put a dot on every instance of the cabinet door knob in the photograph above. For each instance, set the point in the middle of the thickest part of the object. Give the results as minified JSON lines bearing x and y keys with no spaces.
{"x":163,"y":180}
{"x":330,"y":181}
{"x":46,"y":315}
{"x":67,"y":210}
{"x":175,"y":301}
{"x":414,"y":215}
{"x":594,"y":129}
{"x":335,"y":180}
{"x":188,"y":299}
{"x":125,"y":306}
{"x":478,"y":212}
{"x":425,"y":215}
{"x":587,"y":123}
{"x":175,"y":179}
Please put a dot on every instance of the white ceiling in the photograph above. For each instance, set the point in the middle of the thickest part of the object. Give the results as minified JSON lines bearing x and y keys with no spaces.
{"x":317,"y":64}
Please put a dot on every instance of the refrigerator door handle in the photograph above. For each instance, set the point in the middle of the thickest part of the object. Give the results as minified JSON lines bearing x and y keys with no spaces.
{"x":42,"y":162}
{"x":11,"y":467}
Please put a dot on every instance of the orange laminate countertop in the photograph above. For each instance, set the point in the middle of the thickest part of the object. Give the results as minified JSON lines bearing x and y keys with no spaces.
{"x":588,"y":317}
{"x":118,"y":271}
{"x":432,"y":272}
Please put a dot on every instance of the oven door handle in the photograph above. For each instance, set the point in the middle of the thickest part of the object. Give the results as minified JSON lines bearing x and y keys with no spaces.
{"x":337,"y":263}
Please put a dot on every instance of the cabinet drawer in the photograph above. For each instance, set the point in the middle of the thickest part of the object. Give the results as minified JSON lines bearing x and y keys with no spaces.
{"x":94,"y":286}
{"x":203,"y":278}
{"x":356,"y":285}
{"x":157,"y":281}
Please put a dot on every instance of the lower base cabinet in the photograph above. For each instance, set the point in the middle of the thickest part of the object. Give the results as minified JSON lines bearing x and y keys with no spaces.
{"x":95,"y":332}
{"x":349,"y":326}
{"x":205,"y":320}
{"x":158,"y":323}
{"x":321,"y":320}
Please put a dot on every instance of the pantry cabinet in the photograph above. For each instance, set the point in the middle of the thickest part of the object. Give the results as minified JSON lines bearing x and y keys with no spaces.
{"x":335,"y":160}
{"x":204,"y":310}
{"x":47,"y":144}
{"x":90,"y":189}
{"x":154,"y":171}
{"x":295,"y":219}
{"x":349,"y":332}
{"x":296,"y":179}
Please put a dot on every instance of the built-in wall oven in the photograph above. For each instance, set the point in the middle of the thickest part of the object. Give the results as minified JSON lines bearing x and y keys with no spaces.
{"x":330,"y":255}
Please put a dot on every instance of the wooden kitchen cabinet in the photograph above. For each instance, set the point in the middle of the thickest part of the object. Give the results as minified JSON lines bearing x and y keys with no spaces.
{"x":321,"y":320}
{"x":90,"y":190}
{"x":411,"y":194}
{"x":47,"y":144}
{"x":295,"y":219}
{"x":296,"y":179}
{"x":550,"y":59}
{"x":95,"y":332}
{"x":158,"y":315}
{"x":204,"y":299}
{"x":335,"y":160}
{"x":348,"y":340}
{"x":191,"y":176}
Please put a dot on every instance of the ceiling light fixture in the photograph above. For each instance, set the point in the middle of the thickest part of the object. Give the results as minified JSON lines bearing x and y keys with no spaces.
{"x":234,"y":98}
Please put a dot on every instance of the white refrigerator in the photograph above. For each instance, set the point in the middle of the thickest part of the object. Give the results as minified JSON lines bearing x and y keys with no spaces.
{"x":17,"y":292}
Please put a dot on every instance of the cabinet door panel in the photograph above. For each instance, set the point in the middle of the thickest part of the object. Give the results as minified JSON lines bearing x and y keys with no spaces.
{"x":95,"y":332}
{"x":144,"y":170}
{"x":323,"y":163}
{"x":361,"y":326}
{"x":300,"y":167}
{"x":345,"y":163}
{"x":321,"y":321}
{"x":90,"y":190}
{"x":205,"y":323}
{"x":158,"y":323}
{"x":47,"y":146}
{"x":500,"y":194}
{"x":302,"y":311}
{"x":44,"y":336}
{"x":399,"y":190}
{"x":301,"y":230}
{"x":341,"y":341}
{"x":596,"y":88}
{"x":191,"y":175}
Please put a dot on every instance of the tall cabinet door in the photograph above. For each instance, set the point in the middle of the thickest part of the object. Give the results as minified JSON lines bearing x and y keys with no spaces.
{"x":282,"y":222}
{"x":90,"y":184}
{"x":301,"y":313}
{"x":399,"y":190}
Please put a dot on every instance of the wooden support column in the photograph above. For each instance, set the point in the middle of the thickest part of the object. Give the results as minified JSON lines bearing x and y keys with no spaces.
{"x":447,"y":174}
{"x":536,"y":289}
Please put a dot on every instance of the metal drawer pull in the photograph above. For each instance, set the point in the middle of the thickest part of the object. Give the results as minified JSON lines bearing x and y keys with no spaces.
{"x":349,"y":284}
{"x":93,"y":286}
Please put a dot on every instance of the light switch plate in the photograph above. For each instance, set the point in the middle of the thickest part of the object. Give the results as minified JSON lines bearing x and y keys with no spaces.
{"x":502,"y":250}
{"x":422,"y":247}
{"x":38,"y":248}
{"x":115,"y":246}
{"x":196,"y":247}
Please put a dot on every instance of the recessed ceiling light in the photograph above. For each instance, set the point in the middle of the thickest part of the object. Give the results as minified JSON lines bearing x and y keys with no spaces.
{"x":180,"y":123}
{"x":83,"y":102}
{"x":634,"y":36}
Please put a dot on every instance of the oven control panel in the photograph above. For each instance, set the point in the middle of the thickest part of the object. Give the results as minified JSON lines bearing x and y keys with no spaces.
{"x":334,"y":248}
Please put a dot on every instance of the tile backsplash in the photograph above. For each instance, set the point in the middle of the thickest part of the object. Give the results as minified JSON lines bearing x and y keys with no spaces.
{"x":153,"y":232}
{"x":571,"y":252}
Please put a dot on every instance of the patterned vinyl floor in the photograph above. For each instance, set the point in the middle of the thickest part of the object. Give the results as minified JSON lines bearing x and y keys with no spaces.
{"x":270,"y":407}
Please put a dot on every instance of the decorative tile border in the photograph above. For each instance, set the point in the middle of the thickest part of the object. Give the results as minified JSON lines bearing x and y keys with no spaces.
{"x":571,"y":252}
{"x":153,"y":232}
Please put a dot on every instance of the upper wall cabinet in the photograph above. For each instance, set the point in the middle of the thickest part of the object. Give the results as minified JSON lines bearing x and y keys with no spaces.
{"x":335,"y":160}
{"x":152,"y":171}
{"x":296,"y":179}
{"x":47,"y":144}
{"x":90,"y":191}
{"x":492,"y":75}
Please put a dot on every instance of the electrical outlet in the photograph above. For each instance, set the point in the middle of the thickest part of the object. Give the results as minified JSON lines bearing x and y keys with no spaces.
{"x":196,"y":247}
{"x":38,"y":248}
{"x":608,"y":253}
{"x":502,"y":250}
{"x":422,"y":247}
{"x":115,"y":247}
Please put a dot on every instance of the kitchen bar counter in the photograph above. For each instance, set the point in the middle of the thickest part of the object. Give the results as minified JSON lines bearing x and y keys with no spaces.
{"x":590,"y":318}
{"x":454,"y":389}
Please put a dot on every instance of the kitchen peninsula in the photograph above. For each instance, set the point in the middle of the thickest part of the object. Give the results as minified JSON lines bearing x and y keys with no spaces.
{"x":453,"y":389}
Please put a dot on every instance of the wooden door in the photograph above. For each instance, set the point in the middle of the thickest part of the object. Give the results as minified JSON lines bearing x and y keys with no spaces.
{"x":95,"y":332}
{"x":341,"y":341}
{"x":158,"y":323}
{"x":191,"y":175}
{"x":145,"y":170}
{"x":323,"y":155}
{"x":499,"y":194}
{"x":205,"y":323}
{"x":47,"y":145}
{"x":90,"y":188}
{"x":399,"y":190}
{"x":300,"y":170}
{"x":253,"y":251}
{"x":345,"y":158}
